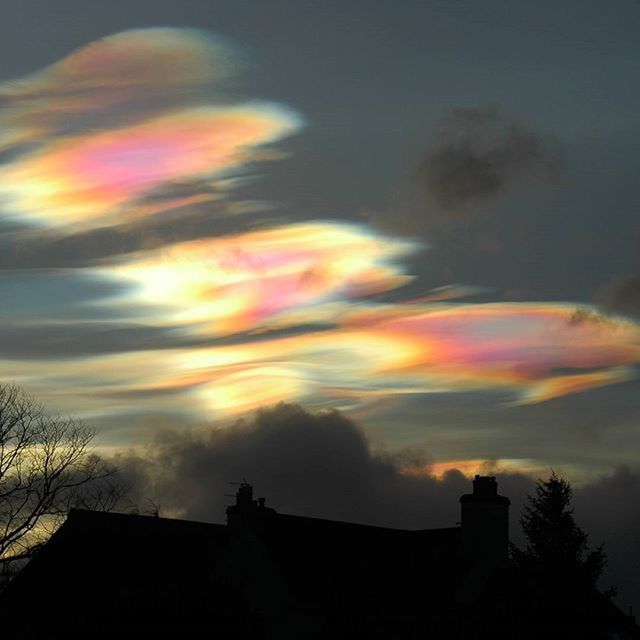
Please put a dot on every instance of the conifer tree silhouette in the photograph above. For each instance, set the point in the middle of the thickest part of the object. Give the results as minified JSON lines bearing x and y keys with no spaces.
{"x":557,"y":558}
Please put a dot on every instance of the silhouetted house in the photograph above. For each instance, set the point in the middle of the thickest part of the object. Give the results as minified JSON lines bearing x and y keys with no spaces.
{"x":269,"y":575}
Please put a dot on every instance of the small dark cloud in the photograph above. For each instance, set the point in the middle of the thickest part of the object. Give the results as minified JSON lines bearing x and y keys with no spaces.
{"x":478,"y":155}
{"x":622,"y":296}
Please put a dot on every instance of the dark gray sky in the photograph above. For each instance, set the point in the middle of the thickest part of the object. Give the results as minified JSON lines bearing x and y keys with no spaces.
{"x":502,"y":138}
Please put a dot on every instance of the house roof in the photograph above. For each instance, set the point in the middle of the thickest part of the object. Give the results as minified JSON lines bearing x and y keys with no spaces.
{"x":159,"y":568}
{"x":270,"y":575}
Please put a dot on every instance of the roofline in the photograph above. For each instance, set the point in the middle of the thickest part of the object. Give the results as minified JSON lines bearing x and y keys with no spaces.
{"x":363,"y":525}
{"x":76,"y":512}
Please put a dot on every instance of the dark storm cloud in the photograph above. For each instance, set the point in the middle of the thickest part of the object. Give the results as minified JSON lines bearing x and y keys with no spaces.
{"x":317,"y":465}
{"x":324,"y":466}
{"x":622,"y":296}
{"x":478,"y":155}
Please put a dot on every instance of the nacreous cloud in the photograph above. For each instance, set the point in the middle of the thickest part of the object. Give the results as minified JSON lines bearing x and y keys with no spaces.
{"x":541,"y":350}
{"x":100,"y":137}
{"x":246,"y":281}
{"x":534,"y":351}
{"x":134,"y":124}
{"x":98,"y":179}
{"x":111,"y":80}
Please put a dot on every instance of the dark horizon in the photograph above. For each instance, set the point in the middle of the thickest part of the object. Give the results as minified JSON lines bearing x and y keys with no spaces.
{"x":268,"y":574}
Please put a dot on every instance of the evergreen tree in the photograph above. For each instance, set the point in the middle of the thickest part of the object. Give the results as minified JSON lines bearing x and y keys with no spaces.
{"x":557,"y":557}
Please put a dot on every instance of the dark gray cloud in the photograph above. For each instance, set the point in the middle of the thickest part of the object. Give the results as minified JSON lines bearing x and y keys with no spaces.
{"x":308,"y":464}
{"x":323,"y":465}
{"x":477,"y":156}
{"x":608,"y":509}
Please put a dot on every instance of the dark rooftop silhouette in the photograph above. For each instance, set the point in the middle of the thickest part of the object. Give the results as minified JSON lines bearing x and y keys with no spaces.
{"x":271,"y":575}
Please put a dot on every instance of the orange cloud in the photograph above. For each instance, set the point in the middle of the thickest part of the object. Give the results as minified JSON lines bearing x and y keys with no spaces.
{"x":469,"y":468}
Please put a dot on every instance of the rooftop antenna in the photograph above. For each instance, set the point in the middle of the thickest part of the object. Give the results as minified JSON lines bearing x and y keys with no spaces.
{"x":244,"y":481}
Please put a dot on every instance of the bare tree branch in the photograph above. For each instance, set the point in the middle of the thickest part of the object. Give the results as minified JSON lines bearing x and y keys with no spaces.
{"x":46,"y":468}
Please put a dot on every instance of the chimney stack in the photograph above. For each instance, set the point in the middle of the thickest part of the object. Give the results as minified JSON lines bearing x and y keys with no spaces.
{"x":247,"y":511}
{"x":485,"y":524}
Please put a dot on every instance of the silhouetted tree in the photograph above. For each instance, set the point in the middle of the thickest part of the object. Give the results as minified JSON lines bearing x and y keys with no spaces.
{"x":557,"y":565}
{"x":46,"y":468}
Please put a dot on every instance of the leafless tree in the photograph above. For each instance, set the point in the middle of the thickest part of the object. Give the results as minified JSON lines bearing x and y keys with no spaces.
{"x":46,"y":468}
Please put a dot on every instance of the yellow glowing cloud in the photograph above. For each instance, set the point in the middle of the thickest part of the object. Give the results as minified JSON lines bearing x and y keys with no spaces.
{"x":94,"y":179}
{"x":241,"y":282}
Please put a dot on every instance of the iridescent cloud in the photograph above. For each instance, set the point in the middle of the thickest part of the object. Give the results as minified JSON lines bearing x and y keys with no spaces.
{"x":114,"y":78}
{"x":541,"y":350}
{"x":102,"y":136}
{"x":96,"y":179}
{"x":530,"y":352}
{"x":535,"y":352}
{"x":132,"y":125}
{"x":282,"y":275}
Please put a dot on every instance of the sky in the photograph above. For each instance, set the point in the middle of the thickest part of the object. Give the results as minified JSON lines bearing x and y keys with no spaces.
{"x":421,"y":214}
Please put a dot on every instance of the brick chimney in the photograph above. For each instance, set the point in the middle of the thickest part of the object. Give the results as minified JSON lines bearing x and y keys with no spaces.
{"x":485,"y":524}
